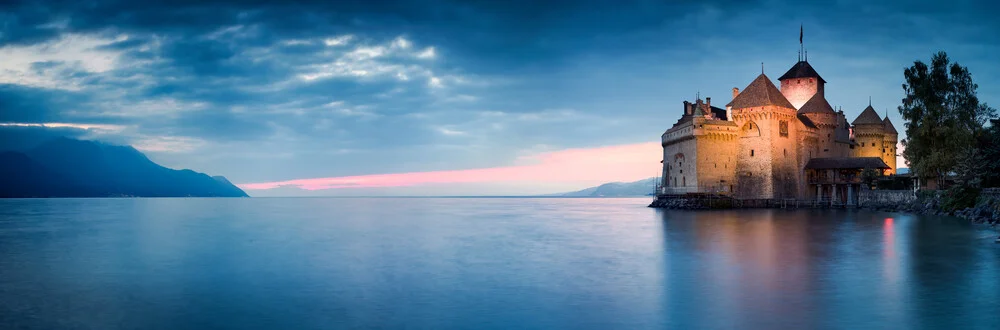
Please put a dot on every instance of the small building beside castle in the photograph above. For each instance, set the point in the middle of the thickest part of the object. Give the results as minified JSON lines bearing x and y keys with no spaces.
{"x":776,"y":143}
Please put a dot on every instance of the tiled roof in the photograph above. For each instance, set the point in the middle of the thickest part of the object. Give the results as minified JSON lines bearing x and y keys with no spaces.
{"x":761,"y":92}
{"x":719,"y":113}
{"x":868,"y":116}
{"x":806,"y":121}
{"x":846,"y":163}
{"x":817,"y":104}
{"x":802,"y":69}
{"x":887,"y":126}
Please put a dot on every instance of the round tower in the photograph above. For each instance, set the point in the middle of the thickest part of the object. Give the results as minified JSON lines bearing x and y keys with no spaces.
{"x":889,"y":142}
{"x":869,"y":133}
{"x":819,"y":111}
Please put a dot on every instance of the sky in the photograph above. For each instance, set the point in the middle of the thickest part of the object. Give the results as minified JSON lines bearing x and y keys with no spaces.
{"x":330,"y":98}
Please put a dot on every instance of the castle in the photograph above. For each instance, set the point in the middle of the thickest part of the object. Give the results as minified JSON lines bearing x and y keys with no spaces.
{"x":773,"y":143}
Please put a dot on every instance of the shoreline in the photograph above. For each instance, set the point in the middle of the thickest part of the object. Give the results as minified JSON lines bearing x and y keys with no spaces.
{"x":986,"y":211}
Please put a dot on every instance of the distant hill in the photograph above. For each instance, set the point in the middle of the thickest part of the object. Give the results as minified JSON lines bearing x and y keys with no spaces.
{"x":616,"y":189}
{"x":73,"y":168}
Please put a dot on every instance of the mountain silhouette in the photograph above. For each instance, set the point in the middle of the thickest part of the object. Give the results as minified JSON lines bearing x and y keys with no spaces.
{"x":616,"y":189}
{"x":66,"y":167}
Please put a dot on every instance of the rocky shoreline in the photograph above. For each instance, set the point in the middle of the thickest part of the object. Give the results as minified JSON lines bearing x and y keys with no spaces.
{"x":986,"y":210}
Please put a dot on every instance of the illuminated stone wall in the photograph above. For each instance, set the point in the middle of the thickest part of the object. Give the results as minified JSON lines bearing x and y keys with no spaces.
{"x":889,"y":142}
{"x":800,"y":90}
{"x":717,"y":150}
{"x":869,"y":138}
{"x":808,"y":149}
{"x":785,"y":148}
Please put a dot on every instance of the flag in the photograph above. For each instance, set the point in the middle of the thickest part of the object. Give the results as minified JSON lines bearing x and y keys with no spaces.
{"x":800,"y":33}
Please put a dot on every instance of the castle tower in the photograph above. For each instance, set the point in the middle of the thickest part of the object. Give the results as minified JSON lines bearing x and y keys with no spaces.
{"x":767,"y":151}
{"x":869,"y":133}
{"x":801,"y":83}
{"x":889,"y":142}
{"x":819,"y":111}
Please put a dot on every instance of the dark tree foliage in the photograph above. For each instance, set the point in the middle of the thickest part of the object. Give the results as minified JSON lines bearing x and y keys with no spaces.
{"x":989,"y":146}
{"x":869,"y":176}
{"x":944,"y":117}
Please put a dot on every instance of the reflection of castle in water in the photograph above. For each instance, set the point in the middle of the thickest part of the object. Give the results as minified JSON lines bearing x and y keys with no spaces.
{"x":775,"y":143}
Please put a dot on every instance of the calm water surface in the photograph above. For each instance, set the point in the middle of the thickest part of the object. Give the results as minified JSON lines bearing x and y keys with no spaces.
{"x":505,"y":263}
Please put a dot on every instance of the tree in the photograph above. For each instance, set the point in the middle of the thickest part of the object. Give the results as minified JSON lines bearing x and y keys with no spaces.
{"x":989,"y":145}
{"x":970,"y":168}
{"x":869,"y":176}
{"x":943,"y":115}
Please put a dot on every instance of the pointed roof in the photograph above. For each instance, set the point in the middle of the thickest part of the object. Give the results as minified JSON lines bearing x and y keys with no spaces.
{"x":806,"y":121}
{"x":887,"y":126}
{"x":761,"y":92}
{"x":817,"y":104}
{"x":802,"y":69}
{"x":868,"y":116}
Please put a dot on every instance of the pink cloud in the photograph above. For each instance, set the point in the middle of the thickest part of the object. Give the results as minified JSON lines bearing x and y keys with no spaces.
{"x":603,"y":164}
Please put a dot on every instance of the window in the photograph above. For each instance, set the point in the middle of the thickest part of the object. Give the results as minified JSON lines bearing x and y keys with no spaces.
{"x":784,"y":151}
{"x":684,"y":180}
{"x":675,"y":182}
{"x":873,"y":144}
{"x":783,"y":128}
{"x":751,"y":153}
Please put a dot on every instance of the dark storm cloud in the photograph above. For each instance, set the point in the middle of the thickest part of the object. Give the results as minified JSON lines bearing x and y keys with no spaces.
{"x":32,"y":105}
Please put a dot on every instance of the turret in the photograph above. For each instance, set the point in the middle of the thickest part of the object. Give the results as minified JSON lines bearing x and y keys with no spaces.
{"x":869,"y":133}
{"x":800,"y":83}
{"x":889,"y":142}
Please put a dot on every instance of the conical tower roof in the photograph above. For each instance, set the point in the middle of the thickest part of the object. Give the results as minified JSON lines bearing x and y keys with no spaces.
{"x":802,"y":69}
{"x":887,"y":126}
{"x":868,"y":116}
{"x":761,"y":92}
{"x":817,"y":104}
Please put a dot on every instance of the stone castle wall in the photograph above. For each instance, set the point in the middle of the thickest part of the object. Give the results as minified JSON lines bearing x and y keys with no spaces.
{"x":800,"y":90}
{"x":889,"y":154}
{"x":870,"y":141}
{"x":679,"y":157}
{"x":784,"y":146}
{"x":717,"y":163}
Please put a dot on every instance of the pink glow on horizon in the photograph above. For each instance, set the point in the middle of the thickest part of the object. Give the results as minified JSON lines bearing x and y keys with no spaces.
{"x":603,"y":164}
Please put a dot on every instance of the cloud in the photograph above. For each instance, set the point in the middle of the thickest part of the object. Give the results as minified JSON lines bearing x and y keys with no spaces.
{"x":52,"y":64}
{"x":602,"y":164}
{"x":385,"y":60}
{"x":95,"y":127}
{"x":338,"y":41}
{"x":427,"y":53}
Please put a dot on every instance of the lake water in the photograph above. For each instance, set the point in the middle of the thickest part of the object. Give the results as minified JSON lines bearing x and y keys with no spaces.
{"x":480,"y":263}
